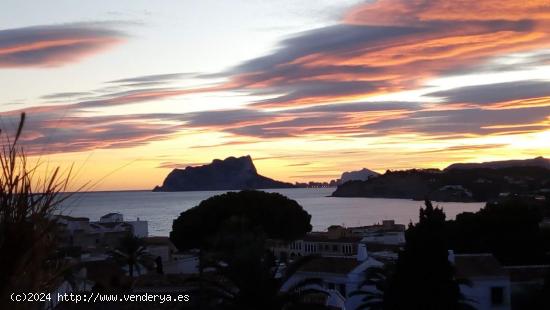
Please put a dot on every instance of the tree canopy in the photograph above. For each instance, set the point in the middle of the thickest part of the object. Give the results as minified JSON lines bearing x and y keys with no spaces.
{"x":509,"y":229}
{"x":271,"y":214}
{"x":424,"y":277}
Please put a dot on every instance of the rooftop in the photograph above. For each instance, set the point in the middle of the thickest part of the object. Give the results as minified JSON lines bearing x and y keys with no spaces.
{"x":111,"y":214}
{"x":324,"y":237}
{"x":478,"y":265}
{"x":337,"y":265}
{"x":386,"y":226}
{"x":382,"y":247}
{"x":73,"y":219}
{"x":532,"y":273}
{"x":111,"y":224}
{"x":158,"y":241}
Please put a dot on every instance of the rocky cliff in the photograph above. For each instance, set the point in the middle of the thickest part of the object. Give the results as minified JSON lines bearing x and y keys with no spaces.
{"x":229,"y":174}
{"x":360,"y":175}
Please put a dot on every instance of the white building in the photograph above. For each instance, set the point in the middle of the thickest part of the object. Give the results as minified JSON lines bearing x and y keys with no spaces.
{"x":107,"y":232}
{"x":160,"y":247}
{"x":111,"y":218}
{"x":173,"y":262}
{"x":388,"y":227}
{"x":386,"y":238}
{"x":140,"y":228}
{"x":489,"y":283}
{"x":341,"y":276}
{"x":183,"y":263}
{"x":336,"y":241}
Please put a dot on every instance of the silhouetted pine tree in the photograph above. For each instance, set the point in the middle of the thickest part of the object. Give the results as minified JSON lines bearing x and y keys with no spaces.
{"x":424,"y":277}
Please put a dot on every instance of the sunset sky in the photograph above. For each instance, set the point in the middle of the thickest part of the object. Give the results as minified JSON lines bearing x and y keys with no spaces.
{"x":128,"y":90}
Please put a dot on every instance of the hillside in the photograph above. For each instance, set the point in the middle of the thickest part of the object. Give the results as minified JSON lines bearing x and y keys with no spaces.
{"x":460,"y":185}
{"x":359,"y":175}
{"x":540,"y":162}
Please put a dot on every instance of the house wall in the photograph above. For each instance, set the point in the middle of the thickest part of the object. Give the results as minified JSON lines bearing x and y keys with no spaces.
{"x":85,"y":240}
{"x":480,"y":293}
{"x":329,"y":248}
{"x":113,"y":239}
{"x":160,"y":250}
{"x":304,"y":248}
{"x":185,"y":264}
{"x":394,"y":238}
{"x":140,"y":228}
{"x":344,"y":284}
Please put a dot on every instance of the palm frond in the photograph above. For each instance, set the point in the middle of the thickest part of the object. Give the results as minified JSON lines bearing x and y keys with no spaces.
{"x":304,"y":283}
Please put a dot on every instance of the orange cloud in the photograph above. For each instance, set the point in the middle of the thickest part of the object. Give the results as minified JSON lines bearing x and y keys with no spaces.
{"x":406,"y":11}
{"x":380,"y":47}
{"x":47,"y":46}
{"x":392,"y":45}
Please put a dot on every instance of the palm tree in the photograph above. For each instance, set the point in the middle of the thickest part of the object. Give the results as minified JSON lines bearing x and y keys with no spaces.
{"x":259,"y":287}
{"x":376,"y":281}
{"x":132,"y":251}
{"x":372,"y":288}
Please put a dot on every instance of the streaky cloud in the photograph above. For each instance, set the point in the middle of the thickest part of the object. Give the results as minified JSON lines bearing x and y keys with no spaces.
{"x":495,"y":93}
{"x":55,"y":45}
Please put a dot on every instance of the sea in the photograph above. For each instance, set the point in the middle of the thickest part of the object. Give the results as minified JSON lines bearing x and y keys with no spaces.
{"x":161,"y":208}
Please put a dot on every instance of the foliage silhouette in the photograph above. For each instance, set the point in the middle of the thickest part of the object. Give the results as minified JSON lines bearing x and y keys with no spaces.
{"x":373,"y":287}
{"x":424,"y":277}
{"x":28,"y":261}
{"x":254,"y":280}
{"x":132,"y":252}
{"x":509,"y":229}
{"x":271,"y":213}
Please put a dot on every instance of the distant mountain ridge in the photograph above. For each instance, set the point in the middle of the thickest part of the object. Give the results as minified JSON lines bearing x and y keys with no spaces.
{"x":229,"y":174}
{"x":534,"y":162}
{"x":359,"y":175}
{"x":457,"y":183}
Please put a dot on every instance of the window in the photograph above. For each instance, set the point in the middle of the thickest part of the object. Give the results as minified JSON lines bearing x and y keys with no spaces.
{"x":346,"y":249}
{"x":497,"y":295}
{"x":335,"y":248}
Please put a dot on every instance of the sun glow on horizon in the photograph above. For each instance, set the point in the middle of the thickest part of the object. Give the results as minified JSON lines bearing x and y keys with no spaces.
{"x":308,"y":90}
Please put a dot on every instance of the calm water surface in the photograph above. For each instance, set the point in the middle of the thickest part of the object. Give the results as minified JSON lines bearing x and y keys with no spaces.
{"x":160,"y":209}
